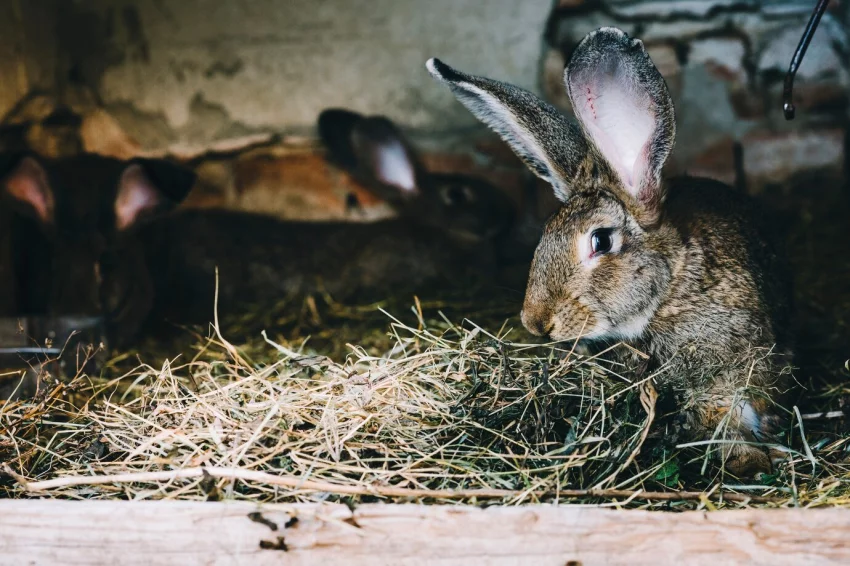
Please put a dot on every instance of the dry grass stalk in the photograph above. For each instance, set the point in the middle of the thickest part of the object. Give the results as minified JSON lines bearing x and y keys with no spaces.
{"x":449,"y":413}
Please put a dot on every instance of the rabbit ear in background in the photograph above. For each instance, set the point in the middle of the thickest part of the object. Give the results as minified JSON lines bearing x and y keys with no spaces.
{"x":386,"y":159}
{"x":149,"y":186}
{"x":335,"y":127}
{"x":543,"y":138}
{"x":28,"y":185}
{"x":625,"y":110}
{"x":374,"y":150}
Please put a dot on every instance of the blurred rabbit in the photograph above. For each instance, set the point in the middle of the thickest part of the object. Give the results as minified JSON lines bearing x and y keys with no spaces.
{"x":74,"y":217}
{"x":379,"y":156}
{"x":445,"y":233}
{"x":109,"y":243}
{"x":8,"y":276}
{"x":686,"y":270}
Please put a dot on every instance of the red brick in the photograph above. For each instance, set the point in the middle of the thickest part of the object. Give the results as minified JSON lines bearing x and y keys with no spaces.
{"x":723,"y":57}
{"x":820,"y":97}
{"x":747,"y":104}
{"x":716,"y":162}
{"x":776,"y":156}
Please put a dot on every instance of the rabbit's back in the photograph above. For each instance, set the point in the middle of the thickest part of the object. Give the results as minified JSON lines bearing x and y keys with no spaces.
{"x":261,"y":259}
{"x":735,"y":283}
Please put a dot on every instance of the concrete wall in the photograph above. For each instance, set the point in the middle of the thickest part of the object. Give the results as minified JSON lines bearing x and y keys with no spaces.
{"x":195,"y":71}
{"x":28,"y":49}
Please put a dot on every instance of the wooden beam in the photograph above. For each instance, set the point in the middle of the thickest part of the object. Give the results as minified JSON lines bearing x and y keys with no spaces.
{"x":177,"y":532}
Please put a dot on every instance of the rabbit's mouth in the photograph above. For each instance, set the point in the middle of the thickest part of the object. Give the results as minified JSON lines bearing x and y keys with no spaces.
{"x":630,"y":329}
{"x":564,"y":323}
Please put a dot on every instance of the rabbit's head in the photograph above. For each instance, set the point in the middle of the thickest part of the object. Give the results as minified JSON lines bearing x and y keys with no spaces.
{"x":603,"y":262}
{"x":81,"y":211}
{"x":375,"y":151}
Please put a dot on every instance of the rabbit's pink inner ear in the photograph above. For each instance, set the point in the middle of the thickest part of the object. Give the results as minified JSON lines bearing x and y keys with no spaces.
{"x":28,"y":184}
{"x":393,"y":166}
{"x":620,"y":121}
{"x":136,"y":195}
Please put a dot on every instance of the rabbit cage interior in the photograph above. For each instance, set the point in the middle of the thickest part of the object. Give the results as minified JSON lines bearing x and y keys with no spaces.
{"x":358,"y":248}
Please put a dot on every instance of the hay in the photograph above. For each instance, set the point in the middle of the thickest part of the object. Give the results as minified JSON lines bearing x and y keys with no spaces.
{"x":450,"y":413}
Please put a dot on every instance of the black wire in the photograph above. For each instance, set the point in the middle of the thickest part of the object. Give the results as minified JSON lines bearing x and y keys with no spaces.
{"x":788,"y":107}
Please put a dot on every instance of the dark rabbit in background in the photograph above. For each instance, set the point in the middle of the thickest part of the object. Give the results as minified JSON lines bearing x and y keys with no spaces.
{"x":113,"y":245}
{"x":684,"y":270}
{"x":445,"y":233}
{"x":470,"y":206}
{"x":73,"y":238}
{"x":380,"y":157}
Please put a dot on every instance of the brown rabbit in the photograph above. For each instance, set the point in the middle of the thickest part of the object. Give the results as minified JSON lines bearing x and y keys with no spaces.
{"x":445,"y":232}
{"x":377,"y":155}
{"x":375,"y":151}
{"x":59,"y":231}
{"x":684,"y":270}
{"x":109,"y":245}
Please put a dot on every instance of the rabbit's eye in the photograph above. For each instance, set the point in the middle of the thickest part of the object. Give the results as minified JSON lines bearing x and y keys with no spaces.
{"x":351,"y":202}
{"x":455,"y":195}
{"x":601,"y":241}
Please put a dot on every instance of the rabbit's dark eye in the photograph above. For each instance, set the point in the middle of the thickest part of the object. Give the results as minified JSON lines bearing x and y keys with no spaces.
{"x":455,"y":195}
{"x":351,"y":202}
{"x":601,"y":241}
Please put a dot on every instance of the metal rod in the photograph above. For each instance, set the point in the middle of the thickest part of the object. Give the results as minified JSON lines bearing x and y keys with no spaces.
{"x":788,"y":106}
{"x":33,"y":350}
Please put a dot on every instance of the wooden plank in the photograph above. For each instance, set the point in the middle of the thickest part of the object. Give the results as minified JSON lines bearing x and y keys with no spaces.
{"x":158,"y":532}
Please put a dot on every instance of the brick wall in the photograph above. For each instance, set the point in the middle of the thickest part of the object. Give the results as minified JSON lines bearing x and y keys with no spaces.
{"x":725,"y":63}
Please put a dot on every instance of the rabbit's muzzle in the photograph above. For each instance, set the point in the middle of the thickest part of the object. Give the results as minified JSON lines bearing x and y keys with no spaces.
{"x":537,"y":321}
{"x":564,"y":320}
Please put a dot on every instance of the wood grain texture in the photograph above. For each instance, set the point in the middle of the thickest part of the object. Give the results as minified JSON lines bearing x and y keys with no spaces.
{"x":185,"y":533}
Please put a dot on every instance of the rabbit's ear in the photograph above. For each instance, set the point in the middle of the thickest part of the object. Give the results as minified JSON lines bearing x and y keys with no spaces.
{"x":385,"y":158}
{"x":625,"y":109}
{"x":27,"y":184}
{"x":335,"y":127}
{"x":147,"y":187}
{"x":542,"y":137}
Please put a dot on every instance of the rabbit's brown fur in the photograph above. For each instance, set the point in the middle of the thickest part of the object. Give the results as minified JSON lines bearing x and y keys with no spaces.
{"x":686,"y":271}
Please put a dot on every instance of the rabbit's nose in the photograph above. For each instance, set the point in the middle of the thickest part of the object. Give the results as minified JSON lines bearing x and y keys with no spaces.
{"x":537,"y":322}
